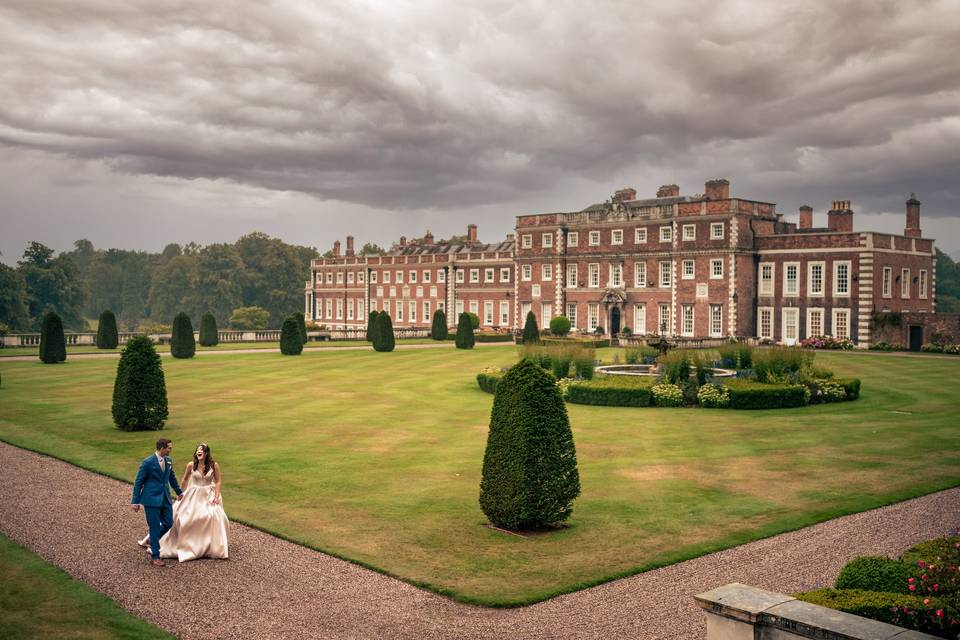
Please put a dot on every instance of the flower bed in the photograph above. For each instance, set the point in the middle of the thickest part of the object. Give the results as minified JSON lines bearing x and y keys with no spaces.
{"x":827,"y":342}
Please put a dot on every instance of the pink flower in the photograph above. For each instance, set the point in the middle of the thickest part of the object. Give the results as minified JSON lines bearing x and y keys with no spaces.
{"x":936,"y":587}
{"x":939,"y":613}
{"x":913,"y":588}
{"x":910,"y":580}
{"x":922,"y":563}
{"x":926,"y":601}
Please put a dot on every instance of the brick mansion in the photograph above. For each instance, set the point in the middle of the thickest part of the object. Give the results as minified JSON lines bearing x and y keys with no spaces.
{"x":700,"y":266}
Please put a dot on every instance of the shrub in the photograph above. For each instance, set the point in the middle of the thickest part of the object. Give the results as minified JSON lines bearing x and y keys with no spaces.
{"x":611,"y":391}
{"x":438,"y":331}
{"x":139,"y":391}
{"x":560,"y":363}
{"x":301,"y":326}
{"x":667,"y":395}
{"x":875,"y":573}
{"x":489,"y":378}
{"x":383,"y":339}
{"x":209,"y":336}
{"x":291,"y":341}
{"x":930,"y":551}
{"x":713,"y":396}
{"x":893,"y":608}
{"x":465,"y":338}
{"x":883,"y":346}
{"x":493,"y":337}
{"x":641,"y":355}
{"x":530,"y":476}
{"x":4,"y":329}
{"x":560,"y":326}
{"x":53,"y":344}
{"x":778,"y":363}
{"x":935,"y":564}
{"x":107,"y":336}
{"x":371,"y":322}
{"x":734,"y":355}
{"x":474,"y":320}
{"x":746,"y":394}
{"x":674,"y":366}
{"x":932,"y":348}
{"x":249,"y":318}
{"x":531,"y":334}
{"x":182,"y":342}
{"x":827,"y":342}
{"x":583,"y":364}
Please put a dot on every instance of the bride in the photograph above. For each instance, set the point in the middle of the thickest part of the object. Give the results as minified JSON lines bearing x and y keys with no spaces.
{"x":199,"y":523}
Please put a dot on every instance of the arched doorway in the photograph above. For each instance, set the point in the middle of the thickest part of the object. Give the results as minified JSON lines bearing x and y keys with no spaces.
{"x":614,"y":321}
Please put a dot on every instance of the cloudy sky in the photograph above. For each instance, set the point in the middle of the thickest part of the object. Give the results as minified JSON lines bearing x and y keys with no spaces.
{"x":138,"y":123}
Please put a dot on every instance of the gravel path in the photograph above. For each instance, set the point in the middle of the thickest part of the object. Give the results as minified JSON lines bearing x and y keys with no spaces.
{"x":270,"y":588}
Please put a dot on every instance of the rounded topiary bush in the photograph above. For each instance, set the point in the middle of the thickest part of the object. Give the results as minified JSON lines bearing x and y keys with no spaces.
{"x":371,"y":322}
{"x":107,"y":335}
{"x":139,"y":391}
{"x":530,"y":476}
{"x":182,"y":342}
{"x":301,"y":326}
{"x":531,"y":332}
{"x":209,"y":335}
{"x":53,"y":344}
{"x":560,"y":326}
{"x":383,"y":339}
{"x":875,"y":573}
{"x":291,"y":340}
{"x":465,"y":338}
{"x":438,"y":331}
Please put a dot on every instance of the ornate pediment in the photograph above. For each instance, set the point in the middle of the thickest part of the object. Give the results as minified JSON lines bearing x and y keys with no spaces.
{"x":613,"y":296}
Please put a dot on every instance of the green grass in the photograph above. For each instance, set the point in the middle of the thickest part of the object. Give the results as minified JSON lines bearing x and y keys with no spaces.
{"x":38,"y":600}
{"x":377,"y":458}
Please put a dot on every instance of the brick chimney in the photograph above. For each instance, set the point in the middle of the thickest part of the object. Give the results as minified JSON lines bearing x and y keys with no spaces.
{"x":806,"y":217}
{"x":349,"y":245}
{"x":336,"y":248}
{"x":668,"y":191}
{"x":471,"y":233}
{"x":718,"y":189}
{"x":840,"y":217}
{"x":912,"y":229}
{"x":428,"y":238}
{"x":622,"y":195}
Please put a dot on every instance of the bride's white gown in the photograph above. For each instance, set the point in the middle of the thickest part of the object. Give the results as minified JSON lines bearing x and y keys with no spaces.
{"x":199,"y":527}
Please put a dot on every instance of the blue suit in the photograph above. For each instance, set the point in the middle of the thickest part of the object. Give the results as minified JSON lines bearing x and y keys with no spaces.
{"x":150,"y":490}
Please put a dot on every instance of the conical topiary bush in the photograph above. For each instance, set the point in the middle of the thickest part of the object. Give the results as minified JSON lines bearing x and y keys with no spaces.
{"x":531,"y":333}
{"x":438,"y":331}
{"x":383,"y":333}
{"x":53,"y":344}
{"x":371,"y":322}
{"x":209,"y":335}
{"x":107,"y":336}
{"x":465,"y":338}
{"x":139,"y":391}
{"x":182,"y":342}
{"x":291,"y":340}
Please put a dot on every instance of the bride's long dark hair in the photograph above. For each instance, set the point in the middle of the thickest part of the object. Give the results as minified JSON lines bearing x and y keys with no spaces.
{"x":207,"y":459}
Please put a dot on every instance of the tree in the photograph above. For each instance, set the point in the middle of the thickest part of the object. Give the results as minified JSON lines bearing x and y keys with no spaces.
{"x":531,"y":334}
{"x":182,"y":342}
{"x":465,"y":338}
{"x":53,"y":345}
{"x":560,"y":326}
{"x":209,"y":335}
{"x":249,"y":318}
{"x":273,"y":274}
{"x":107,"y":337}
{"x":371,"y":323}
{"x":171,"y":287}
{"x":301,"y":325}
{"x":51,"y":283}
{"x":291,"y":341}
{"x":217,"y":287}
{"x":371,"y":249}
{"x":14,"y":309}
{"x":139,"y":391}
{"x":383,"y":333}
{"x":439,"y":329}
{"x":530,"y":476}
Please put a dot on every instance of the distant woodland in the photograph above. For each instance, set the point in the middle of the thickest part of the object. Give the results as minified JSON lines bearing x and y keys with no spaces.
{"x":148,"y":289}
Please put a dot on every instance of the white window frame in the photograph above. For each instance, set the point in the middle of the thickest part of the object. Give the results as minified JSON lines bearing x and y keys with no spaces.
{"x":616,"y":236}
{"x":572,"y":275}
{"x":441,"y":276}
{"x":765,"y":285}
{"x":594,"y":239}
{"x":360,"y":315}
{"x":526,"y":272}
{"x":379,"y":291}
{"x":504,"y":313}
{"x":640,"y":319}
{"x":687,"y":320}
{"x":573,"y":238}
{"x":593,"y":315}
{"x":546,"y":314}
{"x":339,"y":277}
{"x":526,"y":241}
{"x":504,"y":274}
{"x":489,"y":274}
{"x":887,"y":283}
{"x":373,"y":277}
{"x":426,"y":276}
{"x":458,"y":308}
{"x":546,"y":272}
{"x":535,"y":291}
{"x":524,"y":310}
{"x":666,"y":274}
{"x":546,"y":240}
{"x":688,"y":270}
{"x":329,"y":277}
{"x":905,"y":283}
{"x":616,"y":275}
{"x":393,"y":291}
{"x":419,"y":291}
{"x":639,"y":274}
{"x":412,"y":278}
{"x":328,"y":309}
{"x":461,"y":276}
{"x":664,"y":319}
{"x":837,"y":266}
{"x":689,"y":232}
{"x":474,"y":276}
{"x":350,"y":277}
{"x":339,"y":308}
{"x":716,"y":230}
{"x":572,"y":313}
{"x":412,"y":311}
{"x":812,"y":289}
{"x":716,"y":321}
{"x":666,"y":234}
{"x":761,"y":312}
{"x":811,"y":311}
{"x":838,"y":313}
{"x":386,"y":277}
{"x":593,"y":275}
{"x":640,"y":235}
{"x":716,"y":274}
{"x":426,"y":311}
{"x":922,"y":284}
{"x":488,"y":312}
{"x":475,"y":307}
{"x":350,"y":308}
{"x":787,"y":289}
{"x":788,"y":314}
{"x":433,"y":291}
{"x":399,"y":277}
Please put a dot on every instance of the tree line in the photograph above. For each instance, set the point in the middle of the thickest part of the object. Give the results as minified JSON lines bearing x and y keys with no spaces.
{"x":257,"y":271}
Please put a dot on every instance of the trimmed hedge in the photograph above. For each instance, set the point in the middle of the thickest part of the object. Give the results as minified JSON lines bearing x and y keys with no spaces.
{"x":383,"y":339}
{"x":53,"y":344}
{"x":488,"y":381}
{"x":291,"y":340}
{"x":850,"y":385}
{"x":107,"y":336}
{"x":301,"y":325}
{"x":746,"y":394}
{"x":139,"y":390}
{"x":560,"y":326}
{"x":371,"y":323}
{"x":209,"y":336}
{"x":886,"y":607}
{"x":531,"y":333}
{"x":182,"y":342}
{"x":929,"y":551}
{"x":465,"y":338}
{"x":438,"y":331}
{"x":493,"y":337}
{"x":875,"y":573}
{"x":611,"y":391}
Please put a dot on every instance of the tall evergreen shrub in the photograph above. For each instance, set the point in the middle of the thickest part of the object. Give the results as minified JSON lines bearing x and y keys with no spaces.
{"x":530,"y":476}
{"x":139,"y":391}
{"x":301,"y":326}
{"x":371,"y":322}
{"x":107,"y":336}
{"x":531,"y":333}
{"x":383,"y":333}
{"x":182,"y":342}
{"x":291,"y":340}
{"x":465,"y":338}
{"x":53,"y":345}
{"x":439,"y":329}
{"x":209,"y":335}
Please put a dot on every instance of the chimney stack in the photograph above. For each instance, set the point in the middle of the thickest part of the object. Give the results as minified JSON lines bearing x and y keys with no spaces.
{"x":806,"y":217}
{"x":428,"y":238}
{"x":403,"y":241}
{"x":336,"y":248}
{"x":349,"y":245}
{"x":622,"y":195}
{"x":472,"y":233}
{"x":718,"y":189}
{"x":511,"y":237}
{"x":912,"y":229}
{"x":840,"y":216}
{"x":668,"y":191}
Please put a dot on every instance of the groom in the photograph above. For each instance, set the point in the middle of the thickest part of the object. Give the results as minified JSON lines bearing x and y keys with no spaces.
{"x":150,"y":490}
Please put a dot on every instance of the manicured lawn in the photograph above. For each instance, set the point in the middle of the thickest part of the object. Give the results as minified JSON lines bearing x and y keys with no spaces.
{"x":38,"y":600}
{"x":377,"y":458}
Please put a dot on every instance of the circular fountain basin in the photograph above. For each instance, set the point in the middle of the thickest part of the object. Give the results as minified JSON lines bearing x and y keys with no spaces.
{"x":650,"y":370}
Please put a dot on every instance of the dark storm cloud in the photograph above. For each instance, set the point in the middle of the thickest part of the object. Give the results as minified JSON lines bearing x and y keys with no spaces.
{"x":408,"y":105}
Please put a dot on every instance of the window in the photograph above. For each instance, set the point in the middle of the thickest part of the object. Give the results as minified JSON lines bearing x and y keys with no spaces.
{"x":546,"y":272}
{"x":360,"y":315}
{"x":688,"y":270}
{"x":373,"y":305}
{"x":526,"y":241}
{"x":488,"y":275}
{"x":664,"y":321}
{"x":814,"y":322}
{"x":504,"y":313}
{"x":475,"y":307}
{"x":573,"y":239}
{"x":433,"y":291}
{"x":766,"y":279}
{"x":399,"y":277}
{"x":791,"y":325}
{"x":339,"y":277}
{"x":419,"y":292}
{"x":405,"y":293}
{"x":640,"y":274}
{"x":593,"y":316}
{"x":413,"y":311}
{"x":716,"y":320}
{"x":360,"y":277}
{"x":815,"y":278}
{"x":526,"y":273}
{"x":546,"y":313}
{"x":459,"y":308}
{"x":594,"y":238}
{"x":441,"y":305}
{"x":666,"y":210}
{"x":426,"y":311}
{"x":666,"y":234}
{"x":616,"y":275}
{"x":841,"y":323}
{"x":339,"y":308}
{"x":905,"y":283}
{"x":524,"y":312}
{"x":640,"y":319}
{"x":413,"y":277}
{"x":373,"y":277}
{"x":474,"y":276}
{"x":546,"y":240}
{"x":765,"y":323}
{"x":441,"y":275}
{"x":379,"y":292}
{"x":329,"y":277}
{"x":640,"y":235}
{"x":887,"y":278}
{"x":460,"y":276}
{"x":386,"y":277}
{"x":328,"y":308}
{"x":841,"y":278}
{"x":922,"y":284}
{"x":791,"y":279}
{"x":504,"y":274}
{"x":393,"y":292}
{"x":488,"y":312}
{"x":572,"y":275}
{"x":616,"y":236}
{"x":572,"y":314}
{"x":716,"y":269}
{"x":426,"y":276}
{"x":350,"y":308}
{"x":689,"y":232}
{"x":350,"y":276}
{"x":535,"y":291}
{"x":594,"y":273}
{"x":399,"y":307}
{"x":716,"y":231}
{"x":665,"y":275}
{"x":686,"y":319}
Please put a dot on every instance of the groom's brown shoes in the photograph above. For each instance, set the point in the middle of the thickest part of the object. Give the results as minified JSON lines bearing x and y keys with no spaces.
{"x":157,"y":563}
